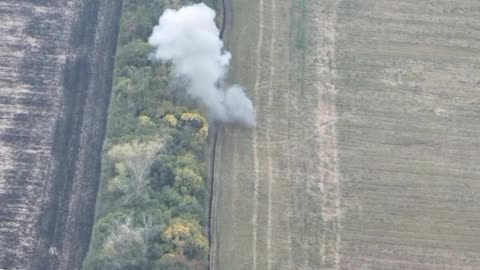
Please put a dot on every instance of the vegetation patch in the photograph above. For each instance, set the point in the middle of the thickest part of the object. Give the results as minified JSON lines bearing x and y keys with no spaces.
{"x":151,"y":209}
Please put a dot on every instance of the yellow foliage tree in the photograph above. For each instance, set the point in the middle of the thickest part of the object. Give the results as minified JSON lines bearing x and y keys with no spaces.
{"x":185,"y":232}
{"x":145,"y":120}
{"x":193,"y":116}
{"x":171,"y":120}
{"x":199,"y":120}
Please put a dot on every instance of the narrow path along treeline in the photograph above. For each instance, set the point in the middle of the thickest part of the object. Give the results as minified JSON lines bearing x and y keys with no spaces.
{"x":152,"y":207}
{"x":224,"y":17}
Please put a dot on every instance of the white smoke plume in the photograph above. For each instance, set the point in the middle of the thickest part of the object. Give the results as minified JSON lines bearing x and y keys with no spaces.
{"x":189,"y":39}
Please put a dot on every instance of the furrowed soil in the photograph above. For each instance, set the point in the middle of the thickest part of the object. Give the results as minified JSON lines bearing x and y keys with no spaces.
{"x":56,"y":65}
{"x":367,"y":144}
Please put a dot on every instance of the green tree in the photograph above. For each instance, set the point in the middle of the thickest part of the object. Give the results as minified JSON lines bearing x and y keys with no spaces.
{"x":134,"y":53}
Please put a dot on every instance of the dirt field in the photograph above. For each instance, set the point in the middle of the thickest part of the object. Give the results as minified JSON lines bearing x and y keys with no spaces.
{"x":367,"y":148}
{"x":56,"y":64}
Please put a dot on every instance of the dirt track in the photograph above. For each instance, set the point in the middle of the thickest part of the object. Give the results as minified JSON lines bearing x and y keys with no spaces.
{"x":367,"y":147}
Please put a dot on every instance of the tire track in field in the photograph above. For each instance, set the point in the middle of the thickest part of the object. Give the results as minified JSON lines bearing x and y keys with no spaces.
{"x":255,"y":151}
{"x":269,"y":152}
{"x":212,"y":204}
{"x":316,"y":235}
{"x":326,"y":113}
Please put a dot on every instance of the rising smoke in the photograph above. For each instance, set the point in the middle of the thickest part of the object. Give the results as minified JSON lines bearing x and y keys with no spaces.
{"x":189,"y":39}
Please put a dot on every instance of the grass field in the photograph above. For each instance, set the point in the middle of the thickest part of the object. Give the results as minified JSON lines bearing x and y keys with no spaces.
{"x":367,"y":145}
{"x":409,"y":133}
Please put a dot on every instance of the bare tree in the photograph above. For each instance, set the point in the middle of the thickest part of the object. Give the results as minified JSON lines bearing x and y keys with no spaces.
{"x":136,"y":159}
{"x":125,"y":244}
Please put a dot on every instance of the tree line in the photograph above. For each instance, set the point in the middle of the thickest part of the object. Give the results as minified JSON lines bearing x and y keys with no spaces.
{"x":151,"y":207}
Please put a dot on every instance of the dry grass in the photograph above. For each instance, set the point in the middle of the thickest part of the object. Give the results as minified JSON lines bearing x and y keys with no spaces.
{"x":367,"y":147}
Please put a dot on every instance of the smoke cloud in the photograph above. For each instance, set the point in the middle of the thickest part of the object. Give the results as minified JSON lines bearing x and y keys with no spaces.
{"x":189,"y":39}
